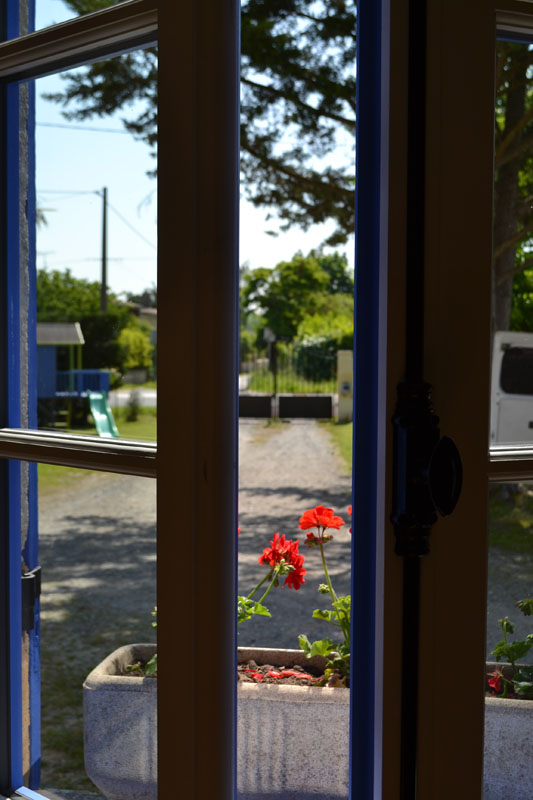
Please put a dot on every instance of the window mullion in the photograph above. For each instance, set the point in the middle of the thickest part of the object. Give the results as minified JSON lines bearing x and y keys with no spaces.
{"x":80,"y":40}
{"x":84,"y":452}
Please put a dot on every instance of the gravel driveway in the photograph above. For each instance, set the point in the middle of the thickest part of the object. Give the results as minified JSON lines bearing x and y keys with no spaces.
{"x":284,"y":469}
{"x":288,"y":467}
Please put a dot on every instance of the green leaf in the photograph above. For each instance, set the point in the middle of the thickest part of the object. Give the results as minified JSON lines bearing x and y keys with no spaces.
{"x":246,"y":608}
{"x":526,"y":606}
{"x":328,"y":616}
{"x":151,"y":667}
{"x":305,"y":644}
{"x":523,"y":689}
{"x":506,"y":625}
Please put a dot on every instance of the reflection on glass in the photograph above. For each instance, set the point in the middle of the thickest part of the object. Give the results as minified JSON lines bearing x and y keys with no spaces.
{"x":51,"y":12}
{"x":97,"y":551}
{"x":512,"y":311}
{"x":96,"y":253}
{"x":508,"y":769}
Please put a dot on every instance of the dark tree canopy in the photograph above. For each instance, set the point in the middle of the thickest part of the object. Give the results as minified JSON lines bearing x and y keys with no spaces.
{"x":297,"y":96}
{"x":298,"y":108}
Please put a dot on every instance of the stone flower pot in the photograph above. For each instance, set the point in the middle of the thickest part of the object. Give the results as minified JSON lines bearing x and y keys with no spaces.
{"x":508,"y":765}
{"x":120,"y":726}
{"x":292,"y":741}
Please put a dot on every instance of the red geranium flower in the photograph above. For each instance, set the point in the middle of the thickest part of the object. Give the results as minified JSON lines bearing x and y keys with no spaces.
{"x":285,"y":550}
{"x":321,"y":518}
{"x":350,"y":513}
{"x":495,"y":682}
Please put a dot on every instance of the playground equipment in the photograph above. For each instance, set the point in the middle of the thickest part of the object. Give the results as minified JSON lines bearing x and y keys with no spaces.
{"x":102,"y":415}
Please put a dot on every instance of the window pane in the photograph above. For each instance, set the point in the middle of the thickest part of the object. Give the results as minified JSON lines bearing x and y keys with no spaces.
{"x":285,"y":468}
{"x":512,"y":312}
{"x":508,"y":770}
{"x":96,"y":225}
{"x":97,"y":551}
{"x":50,"y":12}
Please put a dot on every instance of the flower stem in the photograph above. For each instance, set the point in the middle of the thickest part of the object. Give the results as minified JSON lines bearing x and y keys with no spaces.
{"x":272,"y":582}
{"x":257,"y":587}
{"x":326,"y":573}
{"x":341,"y":617}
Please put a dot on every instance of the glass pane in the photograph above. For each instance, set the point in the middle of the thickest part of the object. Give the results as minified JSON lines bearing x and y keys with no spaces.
{"x":509,"y":701}
{"x":285,"y":469}
{"x":512,"y":312}
{"x":50,"y":12}
{"x":97,"y":551}
{"x":96,"y":223}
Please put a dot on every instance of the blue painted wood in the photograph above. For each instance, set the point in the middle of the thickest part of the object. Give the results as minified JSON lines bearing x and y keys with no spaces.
{"x":46,"y":371}
{"x":364,"y":723}
{"x":14,"y":408}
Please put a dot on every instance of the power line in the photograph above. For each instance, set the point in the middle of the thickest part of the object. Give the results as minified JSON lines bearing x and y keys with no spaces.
{"x":130,"y":226}
{"x":99,"y":193}
{"x":67,"y":191}
{"x":82,"y":128}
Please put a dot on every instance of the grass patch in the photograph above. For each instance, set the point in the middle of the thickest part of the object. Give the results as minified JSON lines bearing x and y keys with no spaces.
{"x":144,"y":428}
{"x":53,"y":478}
{"x":341,"y":434}
{"x":289,"y":383}
{"x":147,"y":385}
{"x":511,"y":518}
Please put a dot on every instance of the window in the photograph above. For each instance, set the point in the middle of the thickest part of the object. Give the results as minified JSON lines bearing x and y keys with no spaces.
{"x":196,"y":453}
{"x":196,"y":456}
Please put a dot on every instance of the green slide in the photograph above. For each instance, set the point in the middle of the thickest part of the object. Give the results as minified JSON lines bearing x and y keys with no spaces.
{"x":102,"y":415}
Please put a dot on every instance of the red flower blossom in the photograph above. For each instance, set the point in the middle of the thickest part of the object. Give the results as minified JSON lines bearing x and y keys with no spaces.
{"x":282,"y":550}
{"x":350,"y":514}
{"x":495,"y":682}
{"x":320,"y":517}
{"x":295,"y":578}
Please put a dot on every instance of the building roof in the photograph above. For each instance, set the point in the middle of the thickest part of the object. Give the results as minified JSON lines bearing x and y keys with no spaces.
{"x":59,"y":333}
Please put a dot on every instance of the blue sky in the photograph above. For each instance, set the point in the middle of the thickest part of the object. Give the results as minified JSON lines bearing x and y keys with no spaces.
{"x":72,"y":167}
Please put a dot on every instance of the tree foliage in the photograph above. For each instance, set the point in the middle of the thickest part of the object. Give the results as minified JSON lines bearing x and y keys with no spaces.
{"x":63,"y":298}
{"x":306,"y":285}
{"x":135,"y":347}
{"x":513,"y":189}
{"x":297,"y":103}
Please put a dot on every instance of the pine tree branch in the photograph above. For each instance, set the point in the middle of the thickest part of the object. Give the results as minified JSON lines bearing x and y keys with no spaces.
{"x":269,"y":89}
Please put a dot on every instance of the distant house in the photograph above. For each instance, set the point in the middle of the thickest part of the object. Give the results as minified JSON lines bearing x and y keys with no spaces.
{"x":71,"y":382}
{"x":51,"y":336}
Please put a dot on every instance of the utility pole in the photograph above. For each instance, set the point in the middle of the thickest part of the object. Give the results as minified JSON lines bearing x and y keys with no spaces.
{"x":103,"y":287}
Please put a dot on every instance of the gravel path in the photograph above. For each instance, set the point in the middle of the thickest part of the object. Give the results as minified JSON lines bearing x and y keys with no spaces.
{"x":284,"y":469}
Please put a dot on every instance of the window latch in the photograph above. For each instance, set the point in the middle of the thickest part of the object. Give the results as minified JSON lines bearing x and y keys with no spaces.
{"x":428,"y":471}
{"x":31,"y":590}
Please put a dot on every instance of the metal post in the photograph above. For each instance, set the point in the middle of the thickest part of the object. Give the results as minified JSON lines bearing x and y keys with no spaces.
{"x":103,"y":287}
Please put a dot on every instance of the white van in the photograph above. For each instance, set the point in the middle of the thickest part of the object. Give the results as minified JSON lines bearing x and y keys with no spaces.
{"x":511,"y":413}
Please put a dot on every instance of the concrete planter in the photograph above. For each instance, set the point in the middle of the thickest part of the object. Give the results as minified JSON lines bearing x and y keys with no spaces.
{"x":508,"y":766}
{"x":292,"y":741}
{"x":120,"y":727}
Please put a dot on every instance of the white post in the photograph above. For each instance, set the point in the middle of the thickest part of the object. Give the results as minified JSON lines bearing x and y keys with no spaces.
{"x":345,"y":384}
